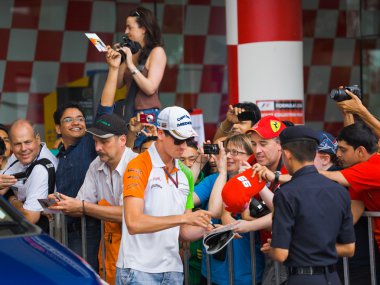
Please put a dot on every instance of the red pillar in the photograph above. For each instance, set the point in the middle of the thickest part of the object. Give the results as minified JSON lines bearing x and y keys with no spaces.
{"x":264,"y":48}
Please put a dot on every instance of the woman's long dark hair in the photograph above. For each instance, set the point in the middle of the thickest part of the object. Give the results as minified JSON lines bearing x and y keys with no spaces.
{"x":145,"y":18}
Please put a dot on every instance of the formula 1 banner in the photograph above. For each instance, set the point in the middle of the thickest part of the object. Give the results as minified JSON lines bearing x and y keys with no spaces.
{"x":284,"y":110}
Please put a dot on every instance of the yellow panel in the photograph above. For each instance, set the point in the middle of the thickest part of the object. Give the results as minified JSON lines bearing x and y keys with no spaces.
{"x":50,"y":105}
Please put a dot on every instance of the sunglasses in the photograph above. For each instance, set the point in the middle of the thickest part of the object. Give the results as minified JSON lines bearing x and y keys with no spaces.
{"x":177,"y":141}
{"x":136,"y":14}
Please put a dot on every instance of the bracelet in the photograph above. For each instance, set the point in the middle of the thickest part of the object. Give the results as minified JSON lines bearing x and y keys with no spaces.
{"x":221,"y":127}
{"x":83,"y":211}
{"x":134,"y":71}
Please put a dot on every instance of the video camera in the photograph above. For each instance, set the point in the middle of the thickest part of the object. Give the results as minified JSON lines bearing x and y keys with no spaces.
{"x":340,"y":95}
{"x":126,"y":42}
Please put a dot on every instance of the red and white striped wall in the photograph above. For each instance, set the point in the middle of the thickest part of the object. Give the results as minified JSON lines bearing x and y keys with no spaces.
{"x":264,"y":48}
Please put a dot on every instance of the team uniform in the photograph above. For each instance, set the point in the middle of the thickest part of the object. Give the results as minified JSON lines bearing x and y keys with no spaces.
{"x":311,"y":214}
{"x":106,"y":189}
{"x":146,"y":178}
{"x":364,"y":182}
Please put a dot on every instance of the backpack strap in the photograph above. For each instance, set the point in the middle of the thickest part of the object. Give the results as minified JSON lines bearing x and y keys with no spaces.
{"x":50,"y":169}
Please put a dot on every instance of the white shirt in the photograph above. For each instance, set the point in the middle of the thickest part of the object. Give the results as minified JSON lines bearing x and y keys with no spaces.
{"x":36,"y":186}
{"x":155,"y":252}
{"x":99,"y":184}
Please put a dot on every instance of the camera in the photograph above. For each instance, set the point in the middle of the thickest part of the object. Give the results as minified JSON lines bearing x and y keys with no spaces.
{"x":146,"y":118}
{"x":339,"y":95}
{"x":245,"y":116}
{"x":210,"y":149}
{"x":20,"y":175}
{"x":258,"y":209}
{"x":133,"y":46}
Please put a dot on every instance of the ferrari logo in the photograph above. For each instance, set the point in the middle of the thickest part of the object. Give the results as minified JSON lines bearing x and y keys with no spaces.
{"x":275,"y":125}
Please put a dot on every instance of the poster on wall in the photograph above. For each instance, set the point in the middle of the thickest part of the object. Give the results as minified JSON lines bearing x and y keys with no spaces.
{"x":198,"y":125}
{"x":285,"y":110}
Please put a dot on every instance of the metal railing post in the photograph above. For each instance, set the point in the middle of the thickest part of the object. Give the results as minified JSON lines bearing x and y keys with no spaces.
{"x":253,"y":256}
{"x":186,"y":257}
{"x":64,"y":230}
{"x":371,"y":252}
{"x":346,"y":271}
{"x":84,"y":237}
{"x":277,"y":272}
{"x":230,"y":263}
{"x":103,"y":245}
{"x":208,"y":269}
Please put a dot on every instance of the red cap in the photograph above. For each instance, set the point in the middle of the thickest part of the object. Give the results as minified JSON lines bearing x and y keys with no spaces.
{"x":239,"y":190}
{"x":268,"y":127}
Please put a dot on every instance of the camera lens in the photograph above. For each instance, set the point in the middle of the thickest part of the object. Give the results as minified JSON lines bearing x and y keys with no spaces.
{"x":339,"y":95}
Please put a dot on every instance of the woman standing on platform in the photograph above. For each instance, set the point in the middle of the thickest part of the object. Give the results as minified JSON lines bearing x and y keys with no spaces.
{"x":142,"y":71}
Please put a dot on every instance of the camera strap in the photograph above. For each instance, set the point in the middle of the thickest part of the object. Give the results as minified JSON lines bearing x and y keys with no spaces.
{"x":125,"y":108}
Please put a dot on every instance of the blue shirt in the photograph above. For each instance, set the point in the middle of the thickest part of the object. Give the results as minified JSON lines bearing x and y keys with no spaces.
{"x":241,"y":248}
{"x":74,"y":161}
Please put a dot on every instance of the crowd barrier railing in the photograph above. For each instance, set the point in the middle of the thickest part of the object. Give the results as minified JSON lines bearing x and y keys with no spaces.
{"x":58,"y":230}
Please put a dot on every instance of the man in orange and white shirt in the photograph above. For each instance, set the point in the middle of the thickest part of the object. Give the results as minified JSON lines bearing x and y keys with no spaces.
{"x":157,"y":207}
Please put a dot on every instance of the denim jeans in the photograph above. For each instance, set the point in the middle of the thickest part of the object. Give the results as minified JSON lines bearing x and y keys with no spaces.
{"x":128,"y":276}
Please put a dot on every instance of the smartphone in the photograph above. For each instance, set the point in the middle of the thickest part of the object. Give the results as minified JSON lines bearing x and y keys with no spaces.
{"x":19,"y":175}
{"x":245,"y":116}
{"x":210,"y":149}
{"x":57,"y":196}
{"x":146,"y":118}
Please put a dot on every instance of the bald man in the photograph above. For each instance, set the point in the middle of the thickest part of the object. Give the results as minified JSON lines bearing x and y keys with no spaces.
{"x":27,"y":148}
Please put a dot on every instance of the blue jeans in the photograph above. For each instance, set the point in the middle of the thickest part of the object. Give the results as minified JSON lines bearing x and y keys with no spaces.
{"x":128,"y":276}
{"x":140,"y":138}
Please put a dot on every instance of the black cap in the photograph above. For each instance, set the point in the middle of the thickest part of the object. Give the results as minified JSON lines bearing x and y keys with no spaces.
{"x":298,"y":133}
{"x":107,"y":126}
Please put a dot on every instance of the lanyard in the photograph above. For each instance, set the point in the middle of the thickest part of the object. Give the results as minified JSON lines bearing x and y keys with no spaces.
{"x":175,"y":182}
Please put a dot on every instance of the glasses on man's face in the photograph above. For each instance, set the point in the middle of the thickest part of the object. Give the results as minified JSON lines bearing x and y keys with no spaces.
{"x":177,"y":141}
{"x":69,"y":120}
{"x":233,"y":152}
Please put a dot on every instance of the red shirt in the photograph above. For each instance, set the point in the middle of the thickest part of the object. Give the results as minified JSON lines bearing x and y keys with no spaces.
{"x":364,"y":180}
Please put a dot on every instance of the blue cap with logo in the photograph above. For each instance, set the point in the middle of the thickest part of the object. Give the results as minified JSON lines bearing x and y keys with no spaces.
{"x":328,"y":143}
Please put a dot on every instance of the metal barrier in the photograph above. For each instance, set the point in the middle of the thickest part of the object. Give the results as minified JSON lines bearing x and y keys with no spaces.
{"x":58,"y":230}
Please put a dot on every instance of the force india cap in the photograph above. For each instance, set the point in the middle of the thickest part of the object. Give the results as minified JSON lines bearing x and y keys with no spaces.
{"x":177,"y":121}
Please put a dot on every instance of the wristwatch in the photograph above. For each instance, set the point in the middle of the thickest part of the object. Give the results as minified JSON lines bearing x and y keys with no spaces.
{"x":276,"y":177}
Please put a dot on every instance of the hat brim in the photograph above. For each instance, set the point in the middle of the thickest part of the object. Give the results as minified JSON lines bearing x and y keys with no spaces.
{"x":183,"y":135}
{"x":99,"y":133}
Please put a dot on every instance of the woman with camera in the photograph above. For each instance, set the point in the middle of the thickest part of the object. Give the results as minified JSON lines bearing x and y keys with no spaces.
{"x":143,"y":71}
{"x":207,"y":194}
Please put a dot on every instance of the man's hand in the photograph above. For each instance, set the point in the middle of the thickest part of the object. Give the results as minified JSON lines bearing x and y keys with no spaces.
{"x":241,"y":226}
{"x":68,"y":205}
{"x":232,"y":114}
{"x":200,"y":218}
{"x":266,"y":246}
{"x":6,"y":181}
{"x":263,"y":172}
{"x":135,"y":126}
{"x":353,"y":106}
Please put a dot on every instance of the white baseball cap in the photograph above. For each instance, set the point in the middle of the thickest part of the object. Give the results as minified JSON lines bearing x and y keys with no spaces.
{"x":177,"y":121}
